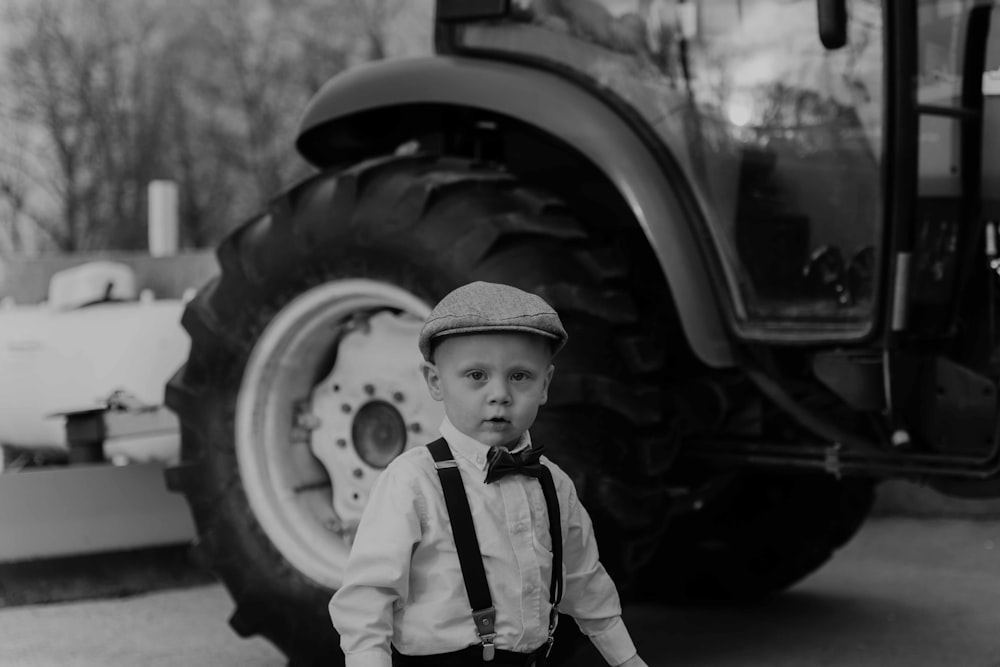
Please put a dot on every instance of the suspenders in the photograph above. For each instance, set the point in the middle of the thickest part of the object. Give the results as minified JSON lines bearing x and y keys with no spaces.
{"x":470,"y":558}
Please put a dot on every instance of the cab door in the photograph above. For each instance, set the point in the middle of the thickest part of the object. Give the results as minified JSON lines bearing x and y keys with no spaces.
{"x":944,"y":123}
{"x":942,"y":367}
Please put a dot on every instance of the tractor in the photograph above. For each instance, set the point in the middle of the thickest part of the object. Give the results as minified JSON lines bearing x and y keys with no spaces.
{"x":769,"y":226}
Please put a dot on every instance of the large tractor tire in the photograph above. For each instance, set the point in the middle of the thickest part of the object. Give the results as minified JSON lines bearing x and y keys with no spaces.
{"x":303,"y":382}
{"x":760,"y":535}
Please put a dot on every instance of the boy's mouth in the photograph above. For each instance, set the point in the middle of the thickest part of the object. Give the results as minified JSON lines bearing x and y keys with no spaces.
{"x":497,"y":421}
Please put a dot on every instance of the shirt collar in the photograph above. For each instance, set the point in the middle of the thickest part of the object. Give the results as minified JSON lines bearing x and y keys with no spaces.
{"x":472,"y":449}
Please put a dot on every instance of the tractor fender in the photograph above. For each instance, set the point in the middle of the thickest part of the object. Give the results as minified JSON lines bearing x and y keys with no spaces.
{"x":559,"y":107}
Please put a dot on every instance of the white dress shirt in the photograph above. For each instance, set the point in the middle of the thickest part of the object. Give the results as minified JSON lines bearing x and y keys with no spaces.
{"x":403,"y":582}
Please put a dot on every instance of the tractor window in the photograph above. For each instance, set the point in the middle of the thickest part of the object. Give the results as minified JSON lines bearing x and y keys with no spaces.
{"x":945,"y":31}
{"x":780,"y":138}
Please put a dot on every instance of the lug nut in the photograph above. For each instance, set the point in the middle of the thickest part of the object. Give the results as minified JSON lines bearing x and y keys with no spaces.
{"x":359,"y":473}
{"x":415,"y":427}
{"x":370,"y":389}
{"x":345,"y":408}
{"x":398,"y":397}
{"x":308,"y":421}
{"x":341,"y":442}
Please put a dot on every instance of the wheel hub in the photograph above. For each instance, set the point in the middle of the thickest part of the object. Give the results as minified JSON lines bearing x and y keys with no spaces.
{"x":308,"y":451}
{"x":371,"y":407}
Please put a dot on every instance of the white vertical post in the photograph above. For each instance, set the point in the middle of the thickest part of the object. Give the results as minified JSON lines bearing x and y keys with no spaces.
{"x":687,"y":19}
{"x":162,"y":220}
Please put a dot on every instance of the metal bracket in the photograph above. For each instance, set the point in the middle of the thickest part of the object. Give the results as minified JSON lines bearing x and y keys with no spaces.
{"x":471,"y":10}
{"x":831,"y":460}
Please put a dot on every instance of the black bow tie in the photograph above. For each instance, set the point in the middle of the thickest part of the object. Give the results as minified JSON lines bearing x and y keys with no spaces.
{"x":500,"y":463}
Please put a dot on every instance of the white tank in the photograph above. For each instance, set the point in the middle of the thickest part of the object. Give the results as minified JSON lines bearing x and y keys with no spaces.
{"x":65,"y":357}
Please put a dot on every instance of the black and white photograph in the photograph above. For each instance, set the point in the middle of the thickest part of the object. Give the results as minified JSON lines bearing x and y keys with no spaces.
{"x":473,"y":333}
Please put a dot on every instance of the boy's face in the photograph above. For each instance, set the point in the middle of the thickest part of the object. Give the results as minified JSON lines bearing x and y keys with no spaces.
{"x":491,"y":384}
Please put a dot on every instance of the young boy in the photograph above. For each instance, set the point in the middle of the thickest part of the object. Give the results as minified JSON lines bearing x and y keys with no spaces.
{"x":452,"y":563}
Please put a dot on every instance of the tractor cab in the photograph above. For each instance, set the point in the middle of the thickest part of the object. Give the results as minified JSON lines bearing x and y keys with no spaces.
{"x":778,"y":139}
{"x":818,"y":138}
{"x":839,"y":158}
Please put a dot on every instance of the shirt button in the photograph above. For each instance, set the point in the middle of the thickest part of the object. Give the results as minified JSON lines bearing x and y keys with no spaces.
{"x":520,"y":527}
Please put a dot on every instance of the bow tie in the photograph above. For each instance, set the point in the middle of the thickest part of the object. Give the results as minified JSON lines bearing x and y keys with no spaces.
{"x":500,"y":463}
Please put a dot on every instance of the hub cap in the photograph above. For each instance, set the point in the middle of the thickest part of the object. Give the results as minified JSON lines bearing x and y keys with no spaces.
{"x":371,"y":407}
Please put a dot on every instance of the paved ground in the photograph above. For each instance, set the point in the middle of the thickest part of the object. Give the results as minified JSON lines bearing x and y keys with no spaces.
{"x":183,"y":628}
{"x":905,"y":592}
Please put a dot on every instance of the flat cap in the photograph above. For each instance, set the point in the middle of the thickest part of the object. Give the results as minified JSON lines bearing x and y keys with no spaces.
{"x":491,"y":307}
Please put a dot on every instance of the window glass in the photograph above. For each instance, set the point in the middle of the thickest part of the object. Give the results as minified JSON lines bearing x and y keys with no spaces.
{"x":780,"y":138}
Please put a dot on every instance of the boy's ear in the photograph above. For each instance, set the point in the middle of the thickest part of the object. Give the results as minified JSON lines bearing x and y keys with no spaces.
{"x":545,"y":384}
{"x":433,"y":380}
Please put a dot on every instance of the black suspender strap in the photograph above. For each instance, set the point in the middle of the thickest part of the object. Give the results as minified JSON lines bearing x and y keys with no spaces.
{"x":470,"y":559}
{"x":555,"y":534}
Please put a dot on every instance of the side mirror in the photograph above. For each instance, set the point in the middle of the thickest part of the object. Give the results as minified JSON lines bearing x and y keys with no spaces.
{"x":832,"y":23}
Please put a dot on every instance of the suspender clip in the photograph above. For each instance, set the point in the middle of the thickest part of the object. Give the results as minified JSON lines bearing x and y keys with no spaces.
{"x":553,"y":624}
{"x":485,"y":625}
{"x":489,"y":650}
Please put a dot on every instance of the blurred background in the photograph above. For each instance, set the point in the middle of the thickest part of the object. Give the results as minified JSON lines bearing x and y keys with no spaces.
{"x":136,"y":132}
{"x":101,"y":97}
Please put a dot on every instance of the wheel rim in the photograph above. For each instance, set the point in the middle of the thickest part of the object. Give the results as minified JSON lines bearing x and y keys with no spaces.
{"x":310,"y":443}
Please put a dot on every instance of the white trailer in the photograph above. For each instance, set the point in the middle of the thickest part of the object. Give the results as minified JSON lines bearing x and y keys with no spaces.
{"x":84,"y":434}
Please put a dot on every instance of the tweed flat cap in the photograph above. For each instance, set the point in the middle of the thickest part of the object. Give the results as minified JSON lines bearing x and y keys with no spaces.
{"x":481,"y":306}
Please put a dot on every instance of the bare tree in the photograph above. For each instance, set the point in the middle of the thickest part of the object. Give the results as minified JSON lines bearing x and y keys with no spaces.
{"x":255,"y":63}
{"x":109,"y":94}
{"x":374,"y":18}
{"x":85,"y":85}
{"x":252,"y":66}
{"x":21,"y":186}
{"x":42,"y":66}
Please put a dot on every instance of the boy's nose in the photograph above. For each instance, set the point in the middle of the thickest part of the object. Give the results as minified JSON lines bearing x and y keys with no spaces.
{"x":499,"y":393}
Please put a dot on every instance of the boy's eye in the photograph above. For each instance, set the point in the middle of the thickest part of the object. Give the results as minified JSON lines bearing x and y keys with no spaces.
{"x":476,"y":375}
{"x":519,"y":376}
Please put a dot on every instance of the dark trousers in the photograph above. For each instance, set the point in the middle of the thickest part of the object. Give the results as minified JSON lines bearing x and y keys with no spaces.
{"x":470,"y":657}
